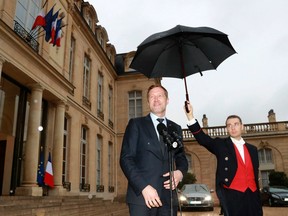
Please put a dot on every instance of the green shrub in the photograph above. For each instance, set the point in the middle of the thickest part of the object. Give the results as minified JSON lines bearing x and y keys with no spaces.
{"x":278,"y":179}
{"x":188,"y":178}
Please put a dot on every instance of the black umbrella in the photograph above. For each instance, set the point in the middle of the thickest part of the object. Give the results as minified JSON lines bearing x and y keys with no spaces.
{"x":182,"y":51}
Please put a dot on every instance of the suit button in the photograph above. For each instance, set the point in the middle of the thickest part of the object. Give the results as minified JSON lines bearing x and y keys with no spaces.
{"x":226,"y":179}
{"x":226,"y":168}
{"x":226,"y":158}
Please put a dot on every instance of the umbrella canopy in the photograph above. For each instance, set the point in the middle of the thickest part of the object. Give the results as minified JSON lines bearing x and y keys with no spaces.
{"x":182,"y":51}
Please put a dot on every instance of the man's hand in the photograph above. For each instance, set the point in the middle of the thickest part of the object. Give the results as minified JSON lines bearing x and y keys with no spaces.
{"x":151,"y":197}
{"x":176,"y":178}
{"x":189,"y":114}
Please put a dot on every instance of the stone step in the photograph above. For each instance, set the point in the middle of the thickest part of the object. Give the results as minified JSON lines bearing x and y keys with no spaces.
{"x":62,"y":206}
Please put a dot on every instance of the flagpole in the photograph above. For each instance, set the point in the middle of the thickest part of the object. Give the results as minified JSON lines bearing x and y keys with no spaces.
{"x":44,"y":4}
{"x":34,"y":32}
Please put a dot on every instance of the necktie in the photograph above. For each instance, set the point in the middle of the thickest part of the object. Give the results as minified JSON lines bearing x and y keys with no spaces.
{"x":162,"y":144}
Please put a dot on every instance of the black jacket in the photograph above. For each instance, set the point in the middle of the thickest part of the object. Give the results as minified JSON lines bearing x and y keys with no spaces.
{"x":142,"y":161}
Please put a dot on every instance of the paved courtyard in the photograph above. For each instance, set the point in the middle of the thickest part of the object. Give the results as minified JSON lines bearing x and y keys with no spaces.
{"x":268,"y":211}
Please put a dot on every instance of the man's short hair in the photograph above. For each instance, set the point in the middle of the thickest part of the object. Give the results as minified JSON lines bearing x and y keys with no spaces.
{"x":233,"y":116}
{"x":155,"y":86}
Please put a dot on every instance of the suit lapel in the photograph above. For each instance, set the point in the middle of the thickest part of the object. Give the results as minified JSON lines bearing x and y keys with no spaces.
{"x":155,"y":143}
{"x":231,"y":149}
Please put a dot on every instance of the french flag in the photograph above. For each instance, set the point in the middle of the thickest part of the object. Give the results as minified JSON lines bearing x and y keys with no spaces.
{"x":56,"y":32}
{"x":40,"y":20}
{"x":50,"y":18}
{"x":53,"y":31}
{"x":58,"y":38}
{"x":48,"y":177}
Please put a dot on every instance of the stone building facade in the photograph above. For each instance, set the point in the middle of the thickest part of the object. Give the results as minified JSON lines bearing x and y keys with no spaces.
{"x":74,"y":102}
{"x":66,"y":100}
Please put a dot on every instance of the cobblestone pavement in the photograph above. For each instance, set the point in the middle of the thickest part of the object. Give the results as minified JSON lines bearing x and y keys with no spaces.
{"x":268,"y":211}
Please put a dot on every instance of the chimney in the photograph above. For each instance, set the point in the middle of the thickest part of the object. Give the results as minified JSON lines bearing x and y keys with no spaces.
{"x":205,"y":121}
{"x":271,"y":116}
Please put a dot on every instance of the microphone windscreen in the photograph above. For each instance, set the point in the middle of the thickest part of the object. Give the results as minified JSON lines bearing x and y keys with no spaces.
{"x":161,"y":128}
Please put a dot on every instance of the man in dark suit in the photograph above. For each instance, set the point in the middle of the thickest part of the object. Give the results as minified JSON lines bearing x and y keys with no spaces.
{"x":237,"y":167}
{"x":146,"y":163}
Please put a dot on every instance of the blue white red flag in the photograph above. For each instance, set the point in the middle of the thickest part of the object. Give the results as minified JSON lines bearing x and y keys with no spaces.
{"x":48,"y":177}
{"x":58,"y":38}
{"x":50,"y":18}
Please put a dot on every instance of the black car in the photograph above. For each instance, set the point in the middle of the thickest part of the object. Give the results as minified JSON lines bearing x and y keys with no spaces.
{"x":196,"y":196}
{"x":274,"y":195}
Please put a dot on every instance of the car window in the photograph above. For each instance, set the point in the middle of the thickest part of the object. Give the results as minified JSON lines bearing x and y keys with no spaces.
{"x":275,"y":190}
{"x":195,"y":188}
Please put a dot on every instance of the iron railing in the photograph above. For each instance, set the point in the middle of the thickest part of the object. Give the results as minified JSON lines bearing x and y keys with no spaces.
{"x":26,"y":36}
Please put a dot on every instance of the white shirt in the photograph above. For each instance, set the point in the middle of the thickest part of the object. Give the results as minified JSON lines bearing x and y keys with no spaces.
{"x":156,"y":122}
{"x":240,"y":146}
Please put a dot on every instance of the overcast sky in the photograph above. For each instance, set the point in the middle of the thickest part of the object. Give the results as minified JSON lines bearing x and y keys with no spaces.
{"x":248,"y":83}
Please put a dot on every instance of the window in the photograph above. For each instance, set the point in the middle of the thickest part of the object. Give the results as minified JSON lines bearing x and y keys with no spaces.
{"x":99,"y":142}
{"x":26,"y":12}
{"x":83,"y":155}
{"x":65,"y":151}
{"x":265,"y":177}
{"x":135,"y":104}
{"x":189,"y":159}
{"x":89,"y":21}
{"x":110,"y":164}
{"x":265,"y":156}
{"x":86,"y":82}
{"x":110,"y":104}
{"x":86,"y":77}
{"x":71,"y":59}
{"x":100,"y":96}
{"x":101,"y":40}
{"x":2,"y":100}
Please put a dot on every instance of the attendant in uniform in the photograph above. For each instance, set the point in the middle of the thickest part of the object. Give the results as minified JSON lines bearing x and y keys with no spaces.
{"x":237,"y":167}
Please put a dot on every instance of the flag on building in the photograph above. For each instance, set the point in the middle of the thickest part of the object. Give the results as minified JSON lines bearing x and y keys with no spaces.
{"x":58,"y":38}
{"x":40,"y":171}
{"x":40,"y":20}
{"x":53,"y":31}
{"x":48,"y":177}
{"x":56,"y":32}
{"x":50,"y":18}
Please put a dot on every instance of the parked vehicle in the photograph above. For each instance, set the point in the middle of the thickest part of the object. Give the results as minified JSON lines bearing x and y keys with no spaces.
{"x":196,"y":196}
{"x":274,"y":195}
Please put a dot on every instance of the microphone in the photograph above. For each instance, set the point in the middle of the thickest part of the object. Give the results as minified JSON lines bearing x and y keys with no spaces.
{"x":176,"y":137}
{"x":162,"y":130}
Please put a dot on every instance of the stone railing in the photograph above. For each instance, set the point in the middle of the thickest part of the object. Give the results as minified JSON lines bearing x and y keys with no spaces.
{"x":249,"y":129}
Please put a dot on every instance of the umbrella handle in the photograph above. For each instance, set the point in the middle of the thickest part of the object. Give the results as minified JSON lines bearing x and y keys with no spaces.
{"x":186,"y":107}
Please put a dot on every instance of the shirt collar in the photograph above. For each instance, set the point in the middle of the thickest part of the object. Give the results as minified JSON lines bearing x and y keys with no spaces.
{"x":238,"y":142}
{"x":155,"y":117}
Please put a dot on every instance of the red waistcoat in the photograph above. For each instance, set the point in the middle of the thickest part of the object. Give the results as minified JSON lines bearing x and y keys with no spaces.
{"x":244,"y":177}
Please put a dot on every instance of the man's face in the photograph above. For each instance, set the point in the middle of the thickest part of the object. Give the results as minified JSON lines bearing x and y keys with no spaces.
{"x":234,"y":127}
{"x":157,"y":101}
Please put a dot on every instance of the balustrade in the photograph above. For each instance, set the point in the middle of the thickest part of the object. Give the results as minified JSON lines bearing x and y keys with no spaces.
{"x":249,"y":129}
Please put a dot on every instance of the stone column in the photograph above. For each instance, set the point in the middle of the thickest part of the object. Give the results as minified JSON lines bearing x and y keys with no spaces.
{"x":29,"y":185}
{"x":57,"y":155}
